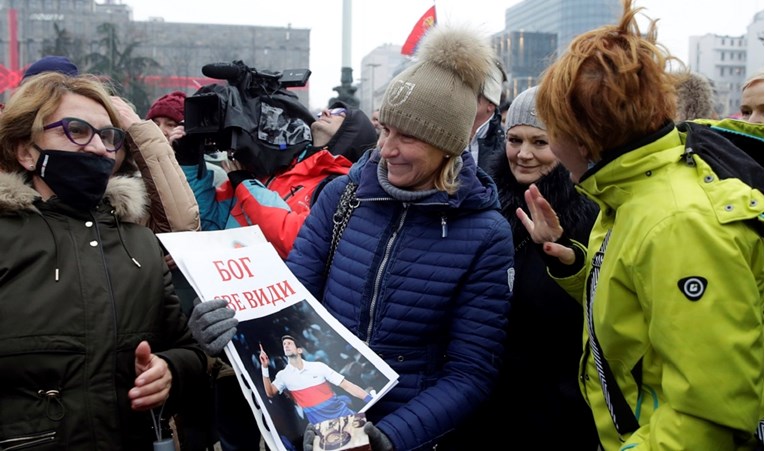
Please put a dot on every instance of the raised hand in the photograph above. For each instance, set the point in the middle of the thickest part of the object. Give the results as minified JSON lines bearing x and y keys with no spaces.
{"x":543,"y":225}
{"x":263,"y":357}
{"x":127,"y":114}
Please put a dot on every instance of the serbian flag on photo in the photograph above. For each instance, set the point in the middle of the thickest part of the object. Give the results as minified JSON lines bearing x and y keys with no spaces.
{"x":426,"y":22}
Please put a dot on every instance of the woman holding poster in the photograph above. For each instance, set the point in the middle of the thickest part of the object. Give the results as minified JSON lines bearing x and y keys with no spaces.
{"x":423,"y":270}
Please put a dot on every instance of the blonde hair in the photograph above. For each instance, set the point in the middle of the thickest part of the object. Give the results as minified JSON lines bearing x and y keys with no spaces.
{"x":36,"y":100}
{"x":758,"y":77}
{"x":609,"y":88}
{"x":447,"y":179}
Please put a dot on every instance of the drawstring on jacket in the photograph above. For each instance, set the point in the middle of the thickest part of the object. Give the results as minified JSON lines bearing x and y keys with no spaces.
{"x":122,"y":241}
{"x":55,"y":247}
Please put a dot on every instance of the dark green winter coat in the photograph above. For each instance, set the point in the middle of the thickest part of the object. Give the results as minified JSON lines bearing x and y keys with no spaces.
{"x":78,"y":292}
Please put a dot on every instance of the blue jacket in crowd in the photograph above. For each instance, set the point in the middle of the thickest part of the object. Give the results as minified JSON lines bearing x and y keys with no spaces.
{"x":426,"y":284}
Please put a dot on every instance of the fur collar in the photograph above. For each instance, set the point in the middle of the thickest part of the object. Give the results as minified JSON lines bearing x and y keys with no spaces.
{"x":572,"y":207}
{"x":126,"y":194}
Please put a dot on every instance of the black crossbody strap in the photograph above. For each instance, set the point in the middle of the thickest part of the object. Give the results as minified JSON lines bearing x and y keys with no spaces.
{"x":621,"y":414}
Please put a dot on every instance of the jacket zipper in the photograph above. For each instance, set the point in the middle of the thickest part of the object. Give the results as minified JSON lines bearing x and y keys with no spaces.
{"x":294,"y":190}
{"x":381,"y":269}
{"x":29,"y":440}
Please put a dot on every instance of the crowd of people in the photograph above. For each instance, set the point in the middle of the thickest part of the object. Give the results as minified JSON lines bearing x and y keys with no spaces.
{"x":580,"y":263}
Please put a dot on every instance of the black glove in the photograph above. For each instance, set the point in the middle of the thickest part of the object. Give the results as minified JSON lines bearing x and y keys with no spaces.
{"x":237,"y":177}
{"x":377,"y":440}
{"x":188,"y":151}
{"x":212,"y":325}
{"x":308,"y":436}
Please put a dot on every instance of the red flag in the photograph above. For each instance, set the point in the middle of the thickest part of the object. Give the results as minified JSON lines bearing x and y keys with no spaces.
{"x":426,"y":22}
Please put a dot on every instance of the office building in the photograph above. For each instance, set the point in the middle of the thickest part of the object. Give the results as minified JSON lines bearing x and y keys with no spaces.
{"x":31,"y":28}
{"x":377,"y":68}
{"x":566,"y":18}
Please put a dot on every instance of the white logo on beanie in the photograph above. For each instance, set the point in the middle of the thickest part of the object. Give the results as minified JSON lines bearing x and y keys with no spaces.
{"x":400,"y":91}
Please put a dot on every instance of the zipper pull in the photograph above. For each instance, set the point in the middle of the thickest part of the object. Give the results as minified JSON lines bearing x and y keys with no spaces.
{"x":688,"y":154}
{"x":443,"y":226}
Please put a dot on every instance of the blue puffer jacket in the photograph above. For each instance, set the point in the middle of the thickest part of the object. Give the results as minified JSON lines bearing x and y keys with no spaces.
{"x":427,"y":285}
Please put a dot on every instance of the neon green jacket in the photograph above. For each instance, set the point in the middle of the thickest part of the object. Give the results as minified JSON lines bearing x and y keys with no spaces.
{"x":679,"y":297}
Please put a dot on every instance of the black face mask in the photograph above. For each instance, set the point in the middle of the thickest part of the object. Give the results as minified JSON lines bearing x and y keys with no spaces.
{"x":77,"y":178}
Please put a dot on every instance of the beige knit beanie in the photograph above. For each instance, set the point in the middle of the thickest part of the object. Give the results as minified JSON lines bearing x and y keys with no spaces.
{"x":434,"y":100}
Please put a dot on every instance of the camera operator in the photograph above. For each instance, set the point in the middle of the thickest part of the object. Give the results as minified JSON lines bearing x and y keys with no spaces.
{"x":280,"y":202}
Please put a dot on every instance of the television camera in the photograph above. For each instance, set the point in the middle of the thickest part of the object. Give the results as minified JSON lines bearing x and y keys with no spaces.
{"x":254,"y":117}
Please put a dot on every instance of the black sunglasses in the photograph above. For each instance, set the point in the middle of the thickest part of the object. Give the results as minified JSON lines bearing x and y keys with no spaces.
{"x":81,"y":133}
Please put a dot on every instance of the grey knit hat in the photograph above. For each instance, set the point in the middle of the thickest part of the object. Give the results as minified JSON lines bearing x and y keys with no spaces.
{"x":523,"y":111}
{"x":435,"y":99}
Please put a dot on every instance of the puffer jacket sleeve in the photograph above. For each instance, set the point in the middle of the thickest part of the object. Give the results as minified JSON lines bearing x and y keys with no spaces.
{"x":476,"y":337}
{"x":309,"y":254}
{"x":173,"y":205}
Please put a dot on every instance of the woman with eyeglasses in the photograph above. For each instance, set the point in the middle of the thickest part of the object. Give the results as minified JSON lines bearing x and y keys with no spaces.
{"x":94,"y":351}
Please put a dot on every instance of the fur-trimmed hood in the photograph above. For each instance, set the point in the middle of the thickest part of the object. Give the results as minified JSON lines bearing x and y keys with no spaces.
{"x":126,"y":194}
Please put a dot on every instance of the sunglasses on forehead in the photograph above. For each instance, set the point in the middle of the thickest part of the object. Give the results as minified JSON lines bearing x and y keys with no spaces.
{"x":334,"y":112}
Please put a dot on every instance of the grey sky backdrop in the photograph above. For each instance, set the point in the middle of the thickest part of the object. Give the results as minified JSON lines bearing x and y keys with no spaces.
{"x":377,"y":22}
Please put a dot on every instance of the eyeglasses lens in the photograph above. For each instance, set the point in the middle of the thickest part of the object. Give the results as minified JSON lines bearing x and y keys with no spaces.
{"x":81,"y":133}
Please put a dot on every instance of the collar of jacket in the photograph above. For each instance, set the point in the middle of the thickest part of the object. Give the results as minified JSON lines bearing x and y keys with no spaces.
{"x":126,"y":194}
{"x":612,"y":154}
{"x":476,"y":191}
{"x":608,"y":183}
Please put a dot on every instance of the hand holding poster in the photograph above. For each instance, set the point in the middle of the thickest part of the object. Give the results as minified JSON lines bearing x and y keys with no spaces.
{"x":299,"y":362}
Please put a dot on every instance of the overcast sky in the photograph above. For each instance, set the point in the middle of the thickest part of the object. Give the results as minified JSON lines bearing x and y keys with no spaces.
{"x":377,"y":22}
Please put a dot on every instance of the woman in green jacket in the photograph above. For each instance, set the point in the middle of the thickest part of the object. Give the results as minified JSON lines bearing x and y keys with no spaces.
{"x":672,"y":277}
{"x":93,"y":347}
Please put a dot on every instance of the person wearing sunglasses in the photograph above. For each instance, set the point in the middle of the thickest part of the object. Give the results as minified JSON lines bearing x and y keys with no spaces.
{"x":280,"y":202}
{"x":94,"y":350}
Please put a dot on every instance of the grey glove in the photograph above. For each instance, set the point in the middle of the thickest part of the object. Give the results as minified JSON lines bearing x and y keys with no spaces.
{"x":377,"y":440}
{"x":212,"y":325}
{"x":308,"y":436}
